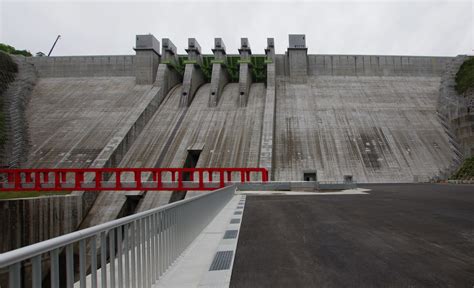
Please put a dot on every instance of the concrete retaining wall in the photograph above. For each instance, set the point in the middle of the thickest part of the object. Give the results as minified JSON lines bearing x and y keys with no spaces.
{"x":84,"y":66}
{"x":368,"y":65}
{"x":27,"y":221}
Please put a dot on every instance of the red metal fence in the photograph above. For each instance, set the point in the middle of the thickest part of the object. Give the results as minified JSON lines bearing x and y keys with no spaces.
{"x":110,"y":179}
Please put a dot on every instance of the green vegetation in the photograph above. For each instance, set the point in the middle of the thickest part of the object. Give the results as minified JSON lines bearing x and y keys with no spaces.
{"x":207,"y":67}
{"x":258,"y":64}
{"x":466,"y":172}
{"x":465,"y":76}
{"x":28,"y":194}
{"x":233,"y":67}
{"x":11,"y":50}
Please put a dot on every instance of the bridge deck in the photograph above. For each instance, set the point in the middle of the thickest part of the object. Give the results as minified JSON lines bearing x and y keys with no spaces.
{"x":397,"y":235}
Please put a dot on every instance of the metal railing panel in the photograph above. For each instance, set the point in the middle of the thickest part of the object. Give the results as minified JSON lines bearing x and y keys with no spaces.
{"x":133,"y":251}
{"x":113,"y":179}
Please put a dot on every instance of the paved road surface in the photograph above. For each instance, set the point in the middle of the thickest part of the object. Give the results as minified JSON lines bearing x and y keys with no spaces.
{"x":397,"y":236}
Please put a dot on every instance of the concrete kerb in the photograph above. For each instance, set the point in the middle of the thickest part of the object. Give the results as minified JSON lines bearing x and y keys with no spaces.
{"x":294,"y":186}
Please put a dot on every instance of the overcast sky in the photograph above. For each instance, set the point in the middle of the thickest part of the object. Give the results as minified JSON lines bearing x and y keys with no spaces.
{"x":441,"y":28}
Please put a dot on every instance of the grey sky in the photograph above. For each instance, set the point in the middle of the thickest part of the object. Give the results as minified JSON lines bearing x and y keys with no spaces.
{"x":350,"y":27}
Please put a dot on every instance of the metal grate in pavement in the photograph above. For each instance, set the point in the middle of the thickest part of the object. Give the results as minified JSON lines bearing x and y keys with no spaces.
{"x":222,"y":260}
{"x":230,"y":234}
{"x":235,"y":221}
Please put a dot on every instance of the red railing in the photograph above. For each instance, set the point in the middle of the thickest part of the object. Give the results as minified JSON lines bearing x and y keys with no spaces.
{"x":110,"y":179}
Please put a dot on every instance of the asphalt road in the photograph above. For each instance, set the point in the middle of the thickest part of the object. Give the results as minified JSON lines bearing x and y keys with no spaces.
{"x":401,"y":235}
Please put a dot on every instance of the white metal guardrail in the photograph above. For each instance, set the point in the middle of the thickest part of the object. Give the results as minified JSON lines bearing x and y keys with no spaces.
{"x":133,"y":251}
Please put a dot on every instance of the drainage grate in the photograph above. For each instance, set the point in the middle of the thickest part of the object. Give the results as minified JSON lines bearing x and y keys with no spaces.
{"x":230,"y":234}
{"x":235,"y":221}
{"x":238,"y":213}
{"x":222,"y":260}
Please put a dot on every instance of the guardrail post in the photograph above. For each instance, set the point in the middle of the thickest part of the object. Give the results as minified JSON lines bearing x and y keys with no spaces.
{"x":221,"y":178}
{"x":138,"y":179}
{"x":201,"y":179}
{"x":118,"y":180}
{"x":160,"y":182}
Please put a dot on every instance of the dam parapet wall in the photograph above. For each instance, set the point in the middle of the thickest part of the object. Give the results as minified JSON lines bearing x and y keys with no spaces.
{"x":84,"y":66}
{"x":367,"y":65}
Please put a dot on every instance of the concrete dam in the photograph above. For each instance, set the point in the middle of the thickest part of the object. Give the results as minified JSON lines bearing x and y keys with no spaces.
{"x":302,"y":117}
{"x":307,"y":119}
{"x":323,"y":116}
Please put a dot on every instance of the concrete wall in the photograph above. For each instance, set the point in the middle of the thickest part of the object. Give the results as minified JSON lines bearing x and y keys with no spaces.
{"x":27,"y":221}
{"x":84,"y":66}
{"x":368,"y":65}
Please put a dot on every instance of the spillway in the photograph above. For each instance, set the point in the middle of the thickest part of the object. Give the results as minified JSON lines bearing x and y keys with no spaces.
{"x":227,"y":135}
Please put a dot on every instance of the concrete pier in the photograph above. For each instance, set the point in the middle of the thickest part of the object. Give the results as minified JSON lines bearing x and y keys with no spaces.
{"x":168,"y":76}
{"x":193,"y":76}
{"x":298,"y":58}
{"x":245,"y":71}
{"x":147,"y":58}
{"x":220,"y":77}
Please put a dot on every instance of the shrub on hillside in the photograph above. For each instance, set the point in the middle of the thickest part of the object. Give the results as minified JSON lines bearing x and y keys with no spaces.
{"x":11,"y":50}
{"x":466,"y":172}
{"x":465,"y":76}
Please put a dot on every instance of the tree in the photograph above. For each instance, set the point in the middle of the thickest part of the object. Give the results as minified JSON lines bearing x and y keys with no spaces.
{"x":11,"y":50}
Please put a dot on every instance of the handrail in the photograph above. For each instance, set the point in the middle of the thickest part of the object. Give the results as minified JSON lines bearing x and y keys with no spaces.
{"x":24,"y":253}
{"x":112,"y":179}
{"x":176,"y":216}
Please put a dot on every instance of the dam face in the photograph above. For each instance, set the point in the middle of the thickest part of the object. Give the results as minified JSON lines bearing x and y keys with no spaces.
{"x":372,"y":117}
